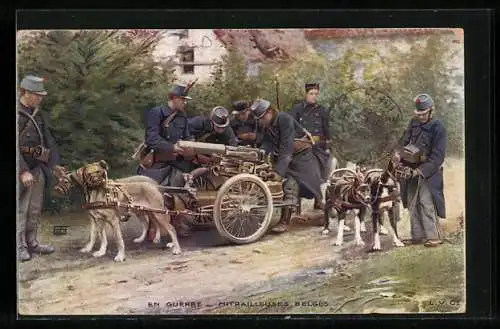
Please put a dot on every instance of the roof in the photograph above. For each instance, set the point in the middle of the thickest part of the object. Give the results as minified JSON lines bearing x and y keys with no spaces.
{"x":265,"y":44}
{"x":378,"y":32}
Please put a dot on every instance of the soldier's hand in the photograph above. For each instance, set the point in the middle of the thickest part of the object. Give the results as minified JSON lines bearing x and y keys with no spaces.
{"x":58,"y":171}
{"x":251,"y":136}
{"x":188,"y":152}
{"x":27,"y":179}
{"x":415,"y":173}
{"x":274,"y":176}
{"x":396,"y":157}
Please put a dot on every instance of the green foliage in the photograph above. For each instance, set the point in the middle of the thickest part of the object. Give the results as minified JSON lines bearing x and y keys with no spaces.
{"x":99,"y":83}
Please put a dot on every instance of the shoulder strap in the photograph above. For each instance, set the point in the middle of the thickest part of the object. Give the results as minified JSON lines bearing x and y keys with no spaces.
{"x":169,"y":119}
{"x":32,"y":119}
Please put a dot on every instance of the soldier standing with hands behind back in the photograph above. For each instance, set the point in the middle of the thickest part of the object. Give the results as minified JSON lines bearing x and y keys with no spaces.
{"x":37,"y":158}
{"x":422,"y":150}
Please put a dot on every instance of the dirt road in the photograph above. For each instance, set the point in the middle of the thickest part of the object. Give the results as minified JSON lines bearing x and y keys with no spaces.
{"x":207,"y":271}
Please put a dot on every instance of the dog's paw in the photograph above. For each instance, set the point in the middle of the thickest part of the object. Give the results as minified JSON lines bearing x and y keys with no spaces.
{"x":338,"y":243}
{"x":176,"y":250}
{"x":138,"y":240}
{"x":99,"y":253}
{"x":85,"y":250}
{"x":383,"y":231}
{"x":325,"y":232}
{"x":170,"y":245}
{"x":347,"y":229}
{"x":398,"y":243}
{"x":359,"y":242}
{"x":156,"y":240}
{"x":119,"y":258}
{"x":376,"y":247}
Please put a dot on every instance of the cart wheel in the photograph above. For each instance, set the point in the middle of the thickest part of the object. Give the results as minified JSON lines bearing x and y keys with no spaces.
{"x":201,"y":222}
{"x":243,"y":209}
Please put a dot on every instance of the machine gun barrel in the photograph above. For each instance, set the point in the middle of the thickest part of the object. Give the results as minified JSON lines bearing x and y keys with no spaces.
{"x":239,"y":152}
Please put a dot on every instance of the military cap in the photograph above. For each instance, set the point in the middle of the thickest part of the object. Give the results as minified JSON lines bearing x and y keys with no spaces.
{"x":33,"y":84}
{"x":179,"y":91}
{"x":310,"y":86}
{"x":423,"y":103}
{"x":220,"y":116}
{"x":240,"y":106}
{"x":260,"y":107}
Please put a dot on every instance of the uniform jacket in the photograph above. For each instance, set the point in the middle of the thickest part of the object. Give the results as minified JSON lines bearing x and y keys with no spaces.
{"x":162,"y":138}
{"x":28,"y":136}
{"x":314,"y":118}
{"x":431,"y":137}
{"x":249,"y":126}
{"x":201,"y":126}
{"x":279,"y":140}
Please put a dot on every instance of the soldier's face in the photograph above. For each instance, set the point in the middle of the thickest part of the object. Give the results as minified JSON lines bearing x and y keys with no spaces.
{"x":180,"y":103}
{"x":33,"y":99}
{"x":423,"y":117}
{"x":266,"y":119}
{"x":219,"y":130}
{"x":312,"y":96}
{"x":243,"y":115}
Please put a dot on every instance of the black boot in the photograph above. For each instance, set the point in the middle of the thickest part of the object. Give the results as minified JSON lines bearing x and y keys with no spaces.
{"x":284,"y":222}
{"x":35,"y":246}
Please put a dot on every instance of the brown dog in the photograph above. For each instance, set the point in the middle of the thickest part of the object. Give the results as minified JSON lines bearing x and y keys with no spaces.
{"x":136,"y":190}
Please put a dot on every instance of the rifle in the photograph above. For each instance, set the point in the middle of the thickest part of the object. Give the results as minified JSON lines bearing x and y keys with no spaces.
{"x":277,"y":84}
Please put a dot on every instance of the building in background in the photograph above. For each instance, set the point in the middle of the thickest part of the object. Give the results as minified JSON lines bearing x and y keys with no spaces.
{"x":192,"y":52}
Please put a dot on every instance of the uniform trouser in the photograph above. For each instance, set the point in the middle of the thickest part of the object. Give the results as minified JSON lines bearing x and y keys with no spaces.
{"x":423,"y":215}
{"x":291,"y":189}
{"x":175,"y":178}
{"x":30,"y":209}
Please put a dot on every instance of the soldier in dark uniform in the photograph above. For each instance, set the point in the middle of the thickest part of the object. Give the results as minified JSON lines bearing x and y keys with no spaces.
{"x":423,"y":148}
{"x":245,"y":126}
{"x":38,"y":159}
{"x":213,"y":129}
{"x":291,"y":149}
{"x":315,"y":119}
{"x":165,"y":125}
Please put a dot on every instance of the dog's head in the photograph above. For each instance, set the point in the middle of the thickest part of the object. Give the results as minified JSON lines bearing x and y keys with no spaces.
{"x":92,"y":175}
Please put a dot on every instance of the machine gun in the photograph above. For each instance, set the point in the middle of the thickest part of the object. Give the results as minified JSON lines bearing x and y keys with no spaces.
{"x":229,"y":161}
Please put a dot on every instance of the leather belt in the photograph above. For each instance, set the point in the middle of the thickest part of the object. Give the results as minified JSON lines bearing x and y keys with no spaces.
{"x":316,"y":139}
{"x":29,"y":149}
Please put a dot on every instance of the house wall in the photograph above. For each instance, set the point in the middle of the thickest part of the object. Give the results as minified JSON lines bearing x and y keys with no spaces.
{"x":336,"y":47}
{"x":208,"y":50}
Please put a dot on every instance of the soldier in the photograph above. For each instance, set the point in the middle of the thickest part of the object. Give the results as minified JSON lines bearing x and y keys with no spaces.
{"x":291,"y":149}
{"x":165,"y":126}
{"x":422,"y":148}
{"x":213,"y":129}
{"x":314,"y":118}
{"x":245,"y":126}
{"x":38,"y":160}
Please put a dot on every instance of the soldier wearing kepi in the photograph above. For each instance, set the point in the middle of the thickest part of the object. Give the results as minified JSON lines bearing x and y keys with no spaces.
{"x":38,"y":159}
{"x":161,"y":159}
{"x":244,"y":124}
{"x":292,"y":154}
{"x":213,"y":129}
{"x":315,"y":119}
{"x":422,"y":149}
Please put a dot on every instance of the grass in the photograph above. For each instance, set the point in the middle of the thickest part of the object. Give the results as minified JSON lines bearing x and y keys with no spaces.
{"x":418,"y":279}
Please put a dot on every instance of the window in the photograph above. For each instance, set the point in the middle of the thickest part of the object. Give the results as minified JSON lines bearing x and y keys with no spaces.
{"x":187,"y":57}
